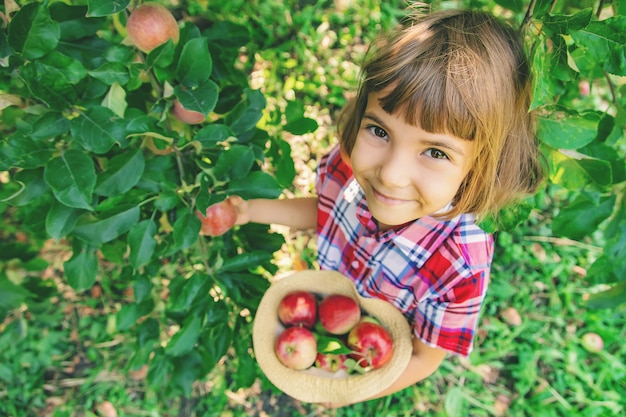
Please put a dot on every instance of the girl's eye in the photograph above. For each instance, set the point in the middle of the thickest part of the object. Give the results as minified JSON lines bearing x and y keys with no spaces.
{"x":436,"y":153}
{"x":378,"y":131}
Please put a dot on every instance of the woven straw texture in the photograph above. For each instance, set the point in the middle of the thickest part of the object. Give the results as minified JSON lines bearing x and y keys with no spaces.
{"x":314,"y":385}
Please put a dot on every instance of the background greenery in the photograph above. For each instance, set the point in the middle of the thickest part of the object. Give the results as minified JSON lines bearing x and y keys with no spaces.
{"x":110,"y":302}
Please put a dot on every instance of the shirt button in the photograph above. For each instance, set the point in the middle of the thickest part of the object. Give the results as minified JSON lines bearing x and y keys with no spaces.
{"x":355,"y":264}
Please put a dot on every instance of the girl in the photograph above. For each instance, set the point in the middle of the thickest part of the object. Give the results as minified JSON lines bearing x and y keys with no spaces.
{"x":438,"y":135}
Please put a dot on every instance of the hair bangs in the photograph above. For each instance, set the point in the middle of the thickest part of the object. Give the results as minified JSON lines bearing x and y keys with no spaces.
{"x":425,"y":87}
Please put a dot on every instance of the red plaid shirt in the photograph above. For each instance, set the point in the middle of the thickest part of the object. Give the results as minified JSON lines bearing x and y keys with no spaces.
{"x":436,"y":272}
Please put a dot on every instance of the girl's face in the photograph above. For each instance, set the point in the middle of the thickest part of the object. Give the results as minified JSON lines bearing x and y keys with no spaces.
{"x":406,"y":172}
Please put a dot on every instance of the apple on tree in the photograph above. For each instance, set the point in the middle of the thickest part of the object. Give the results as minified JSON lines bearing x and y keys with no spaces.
{"x":218,"y":218}
{"x":372,"y":344}
{"x":338,"y":313}
{"x":296,"y":348}
{"x":298,"y":308}
{"x":150,"y":25}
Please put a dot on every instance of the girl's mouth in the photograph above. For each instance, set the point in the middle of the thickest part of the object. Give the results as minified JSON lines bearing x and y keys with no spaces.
{"x":390,"y":201}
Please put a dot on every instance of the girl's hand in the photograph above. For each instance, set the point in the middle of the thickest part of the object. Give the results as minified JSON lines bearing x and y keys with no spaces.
{"x":242,"y":207}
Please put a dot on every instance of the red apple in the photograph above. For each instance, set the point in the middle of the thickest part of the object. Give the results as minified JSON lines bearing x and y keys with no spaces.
{"x":151,"y":25}
{"x":339,"y":313}
{"x":218,"y":219}
{"x":371,"y":343}
{"x":298,"y":308}
{"x":296,"y":348}
{"x":331,"y":362}
{"x":190,"y":117}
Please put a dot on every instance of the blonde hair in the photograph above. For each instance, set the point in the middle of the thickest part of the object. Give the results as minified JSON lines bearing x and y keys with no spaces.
{"x":463,"y":73}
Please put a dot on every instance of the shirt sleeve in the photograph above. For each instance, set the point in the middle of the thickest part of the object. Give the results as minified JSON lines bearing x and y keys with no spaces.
{"x":447,"y":316}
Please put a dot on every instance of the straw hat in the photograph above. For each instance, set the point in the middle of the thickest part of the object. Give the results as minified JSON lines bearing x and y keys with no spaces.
{"x":316,"y":385}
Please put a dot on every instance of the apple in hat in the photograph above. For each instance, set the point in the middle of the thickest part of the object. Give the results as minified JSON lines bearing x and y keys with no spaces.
{"x":331,"y":362}
{"x":297,"y":308}
{"x":338,"y":313}
{"x":296,"y":348}
{"x":371,"y":343}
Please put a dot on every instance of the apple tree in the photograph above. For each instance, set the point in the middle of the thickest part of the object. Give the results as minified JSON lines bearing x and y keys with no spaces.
{"x":110,"y":150}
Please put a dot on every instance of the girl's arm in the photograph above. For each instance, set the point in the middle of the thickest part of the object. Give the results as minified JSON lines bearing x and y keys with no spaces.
{"x":297,"y":213}
{"x":424,"y":361}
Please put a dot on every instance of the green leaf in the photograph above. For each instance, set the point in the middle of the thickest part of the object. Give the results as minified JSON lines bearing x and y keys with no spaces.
{"x":228,"y":34}
{"x":60,"y":68}
{"x":216,"y":338}
{"x":301,"y":126}
{"x":187,"y":290}
{"x":20,"y":150}
{"x":604,"y":42}
{"x":515,"y":5}
{"x":160,"y":368}
{"x":148,"y":332}
{"x":185,"y":339}
{"x":72,"y":177}
{"x":187,"y":370}
{"x":49,"y":85}
{"x":257,"y":184}
{"x":246,"y":364}
{"x":610,"y":298}
{"x":105,"y":7}
{"x":209,"y":135}
{"x":82,"y":268}
{"x":129,"y":314}
{"x":160,"y":58}
{"x":582,"y":217}
{"x":116,"y":100}
{"x":186,"y":230}
{"x":33,"y":187}
{"x":568,"y":130}
{"x":454,"y":403}
{"x":60,"y":220}
{"x":560,"y":24}
{"x":202,"y":99}
{"x":11,"y":295}
{"x":195,"y":63}
{"x":235,"y":162}
{"x":283,"y":162}
{"x":245,"y":261}
{"x":98,"y":129}
{"x":49,"y":125}
{"x":142,"y":243}
{"x":111,"y":72}
{"x":74,"y":22}
{"x":246,"y":114}
{"x":142,"y":288}
{"x":97,"y":231}
{"x":123,"y":172}
{"x":551,"y":67}
{"x":32,"y":32}
{"x":331,"y":345}
{"x":576,"y":171}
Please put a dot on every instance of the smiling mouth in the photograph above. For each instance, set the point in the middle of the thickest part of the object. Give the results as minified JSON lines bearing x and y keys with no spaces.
{"x":391,"y":201}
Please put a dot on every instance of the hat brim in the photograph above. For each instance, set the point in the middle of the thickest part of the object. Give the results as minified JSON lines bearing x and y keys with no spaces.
{"x":314,"y":385}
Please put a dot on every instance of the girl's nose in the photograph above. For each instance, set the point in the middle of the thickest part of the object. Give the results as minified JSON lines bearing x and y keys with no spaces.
{"x":395,"y":170}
